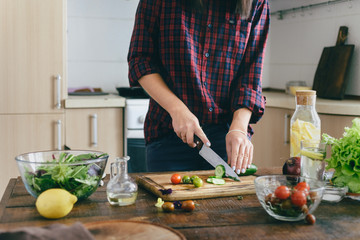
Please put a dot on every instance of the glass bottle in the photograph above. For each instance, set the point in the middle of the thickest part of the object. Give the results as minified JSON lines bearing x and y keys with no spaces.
{"x":305,"y":123}
{"x":121,"y":190}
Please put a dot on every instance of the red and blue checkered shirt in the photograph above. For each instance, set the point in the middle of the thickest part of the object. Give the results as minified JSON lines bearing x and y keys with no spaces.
{"x":212,"y":60}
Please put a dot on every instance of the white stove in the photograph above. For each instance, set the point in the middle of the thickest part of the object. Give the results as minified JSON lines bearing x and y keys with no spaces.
{"x":134,"y":142}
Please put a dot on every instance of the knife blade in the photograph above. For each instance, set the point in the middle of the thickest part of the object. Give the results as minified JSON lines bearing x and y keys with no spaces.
{"x":213,"y":158}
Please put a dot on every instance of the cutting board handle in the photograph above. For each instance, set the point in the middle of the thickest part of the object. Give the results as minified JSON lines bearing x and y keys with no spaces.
{"x":342,"y":36}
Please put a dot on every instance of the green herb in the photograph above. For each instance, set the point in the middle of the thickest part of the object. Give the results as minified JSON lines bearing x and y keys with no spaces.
{"x":79,"y":179}
{"x":345,"y":157}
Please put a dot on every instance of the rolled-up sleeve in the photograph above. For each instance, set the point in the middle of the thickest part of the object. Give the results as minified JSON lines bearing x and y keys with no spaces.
{"x":248,"y":92}
{"x":142,"y":52}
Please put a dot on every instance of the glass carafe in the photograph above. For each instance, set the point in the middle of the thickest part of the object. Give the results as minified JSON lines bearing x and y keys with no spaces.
{"x":121,"y":190}
{"x":305,"y":124}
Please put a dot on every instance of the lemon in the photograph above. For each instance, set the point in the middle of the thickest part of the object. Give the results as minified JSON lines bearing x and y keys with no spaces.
{"x":312,"y":155}
{"x":55,"y":203}
{"x":302,"y":130}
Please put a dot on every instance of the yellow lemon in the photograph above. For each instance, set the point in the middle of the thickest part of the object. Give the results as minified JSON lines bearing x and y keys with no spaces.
{"x":55,"y":203}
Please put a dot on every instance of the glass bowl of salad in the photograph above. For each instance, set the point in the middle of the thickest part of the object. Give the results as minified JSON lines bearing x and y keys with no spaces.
{"x":78,"y":172}
{"x":289,"y":197}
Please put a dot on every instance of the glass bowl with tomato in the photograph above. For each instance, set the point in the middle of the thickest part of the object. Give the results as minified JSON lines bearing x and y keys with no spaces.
{"x":289,"y":197}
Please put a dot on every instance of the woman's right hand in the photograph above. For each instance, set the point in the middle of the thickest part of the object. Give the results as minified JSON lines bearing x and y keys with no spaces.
{"x":186,"y":124}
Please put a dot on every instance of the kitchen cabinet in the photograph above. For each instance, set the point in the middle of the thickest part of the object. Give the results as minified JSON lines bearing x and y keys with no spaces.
{"x":271,"y":139}
{"x":32,"y":79}
{"x":32,"y":59}
{"x":272,"y":134}
{"x":95,"y":129}
{"x":23,"y":133}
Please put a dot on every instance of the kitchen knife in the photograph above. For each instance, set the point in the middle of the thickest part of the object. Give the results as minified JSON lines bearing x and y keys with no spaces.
{"x":213,"y":158}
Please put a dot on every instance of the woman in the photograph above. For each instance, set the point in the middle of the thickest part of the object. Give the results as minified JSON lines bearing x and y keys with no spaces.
{"x":201,"y":63}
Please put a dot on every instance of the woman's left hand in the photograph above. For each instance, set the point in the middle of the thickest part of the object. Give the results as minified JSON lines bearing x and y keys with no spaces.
{"x":239,"y":150}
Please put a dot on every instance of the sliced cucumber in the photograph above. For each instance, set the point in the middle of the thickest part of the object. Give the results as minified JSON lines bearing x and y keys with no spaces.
{"x":217,"y":181}
{"x":220,"y":171}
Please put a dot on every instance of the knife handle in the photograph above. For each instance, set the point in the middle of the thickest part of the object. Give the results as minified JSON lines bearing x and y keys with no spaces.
{"x":198,"y":142}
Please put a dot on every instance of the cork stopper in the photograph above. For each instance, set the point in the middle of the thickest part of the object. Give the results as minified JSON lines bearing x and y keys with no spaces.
{"x":305,"y":97}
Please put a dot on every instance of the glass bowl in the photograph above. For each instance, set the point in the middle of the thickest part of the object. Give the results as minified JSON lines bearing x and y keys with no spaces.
{"x":290,"y":203}
{"x":78,"y":172}
{"x":334,"y":193}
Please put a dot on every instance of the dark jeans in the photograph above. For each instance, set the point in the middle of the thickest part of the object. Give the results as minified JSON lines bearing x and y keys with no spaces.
{"x":171,"y":154}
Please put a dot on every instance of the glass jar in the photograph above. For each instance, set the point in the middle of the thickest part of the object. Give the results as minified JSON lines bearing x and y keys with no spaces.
{"x":305,"y":123}
{"x":121,"y":189}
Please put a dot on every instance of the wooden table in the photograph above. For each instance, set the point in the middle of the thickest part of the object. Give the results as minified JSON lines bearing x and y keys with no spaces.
{"x":216,"y":218}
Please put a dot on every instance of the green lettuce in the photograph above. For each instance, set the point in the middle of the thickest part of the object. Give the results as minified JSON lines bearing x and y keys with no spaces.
{"x":345,"y":157}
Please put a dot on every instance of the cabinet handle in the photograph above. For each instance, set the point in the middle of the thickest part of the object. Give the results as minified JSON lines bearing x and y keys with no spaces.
{"x":94,"y":135}
{"x":286,"y":129}
{"x":58,"y":127}
{"x":58,"y":91}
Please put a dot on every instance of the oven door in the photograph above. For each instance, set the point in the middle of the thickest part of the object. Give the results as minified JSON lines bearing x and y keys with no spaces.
{"x":137,"y":152}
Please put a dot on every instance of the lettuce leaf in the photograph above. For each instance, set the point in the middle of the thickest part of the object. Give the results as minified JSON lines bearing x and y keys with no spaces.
{"x":345,"y":157}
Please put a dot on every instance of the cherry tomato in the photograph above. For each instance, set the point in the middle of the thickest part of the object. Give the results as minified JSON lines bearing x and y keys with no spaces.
{"x":310,"y":219}
{"x":298,"y":198}
{"x":175,"y":178}
{"x":302,"y":185}
{"x":188,"y":205}
{"x":168,"y":207}
{"x":186,"y":179}
{"x":198,"y":182}
{"x":282,"y":192}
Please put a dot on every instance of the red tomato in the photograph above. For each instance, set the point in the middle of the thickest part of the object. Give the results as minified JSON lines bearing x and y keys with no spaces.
{"x":298,"y":198}
{"x":302,"y":185}
{"x":175,"y":178}
{"x":282,"y":192}
{"x":188,"y":205}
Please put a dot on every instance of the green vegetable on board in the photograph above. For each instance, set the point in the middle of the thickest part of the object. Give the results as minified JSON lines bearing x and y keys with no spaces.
{"x":345,"y":157}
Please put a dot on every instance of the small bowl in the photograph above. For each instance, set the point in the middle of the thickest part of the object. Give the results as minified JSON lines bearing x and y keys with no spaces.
{"x":288,"y":209}
{"x":334,"y":193}
{"x":78,"y":172}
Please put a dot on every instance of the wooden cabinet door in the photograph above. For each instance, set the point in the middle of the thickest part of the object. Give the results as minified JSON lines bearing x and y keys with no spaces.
{"x":334,"y":125}
{"x":271,"y":139}
{"x":22,"y":133}
{"x":32,"y":47}
{"x":98,"y":129}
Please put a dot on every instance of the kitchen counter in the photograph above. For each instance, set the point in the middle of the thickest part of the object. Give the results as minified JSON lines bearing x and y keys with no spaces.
{"x":273,"y":99}
{"x":96,"y":101}
{"x":214,"y":218}
{"x":339,"y":107}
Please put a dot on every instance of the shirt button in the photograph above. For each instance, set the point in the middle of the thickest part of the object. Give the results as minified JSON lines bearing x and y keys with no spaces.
{"x":211,"y":109}
{"x":209,"y":25}
{"x":207,"y":55}
{"x":231,"y":21}
{"x":205,"y":83}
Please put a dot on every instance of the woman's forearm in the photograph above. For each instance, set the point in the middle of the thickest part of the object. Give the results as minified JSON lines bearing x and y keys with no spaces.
{"x":155,"y":86}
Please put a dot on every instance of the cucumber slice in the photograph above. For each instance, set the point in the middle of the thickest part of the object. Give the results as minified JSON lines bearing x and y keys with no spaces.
{"x":218,"y":181}
{"x":220,"y":171}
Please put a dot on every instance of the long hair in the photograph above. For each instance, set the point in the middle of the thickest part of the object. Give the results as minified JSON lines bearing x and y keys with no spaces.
{"x":242,"y":7}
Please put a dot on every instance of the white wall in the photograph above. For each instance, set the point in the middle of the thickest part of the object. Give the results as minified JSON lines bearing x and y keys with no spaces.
{"x":99,"y":34}
{"x":296,"y":42}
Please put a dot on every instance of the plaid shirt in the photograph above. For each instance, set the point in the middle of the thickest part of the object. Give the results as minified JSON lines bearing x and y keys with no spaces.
{"x":212,"y":60}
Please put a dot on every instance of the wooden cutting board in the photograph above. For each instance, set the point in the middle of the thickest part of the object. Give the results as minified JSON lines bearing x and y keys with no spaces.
{"x":330,"y":78}
{"x":155,"y":181}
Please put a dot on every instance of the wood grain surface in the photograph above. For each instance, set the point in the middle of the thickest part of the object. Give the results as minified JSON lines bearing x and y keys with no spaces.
{"x":140,"y":230}
{"x":155,"y":181}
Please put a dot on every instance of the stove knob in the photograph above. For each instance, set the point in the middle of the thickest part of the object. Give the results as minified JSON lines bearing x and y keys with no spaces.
{"x":141,"y":119}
